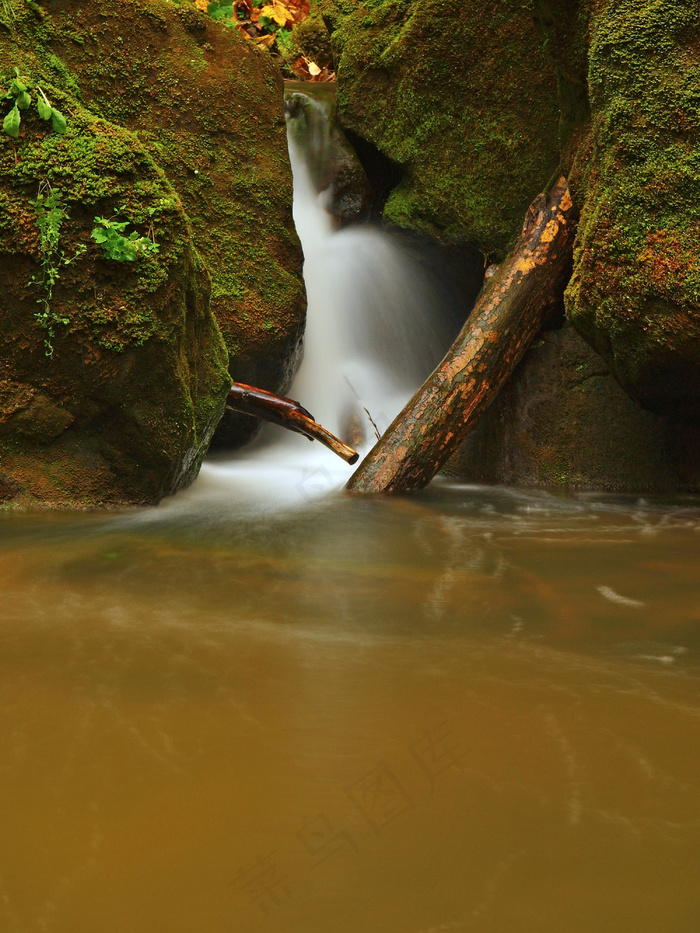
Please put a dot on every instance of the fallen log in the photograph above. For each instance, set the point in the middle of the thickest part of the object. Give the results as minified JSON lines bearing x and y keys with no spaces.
{"x":511,"y":309}
{"x":287,"y":413}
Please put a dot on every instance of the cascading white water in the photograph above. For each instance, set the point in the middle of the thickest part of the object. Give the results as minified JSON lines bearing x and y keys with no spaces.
{"x":370,"y":340}
{"x":370,"y":337}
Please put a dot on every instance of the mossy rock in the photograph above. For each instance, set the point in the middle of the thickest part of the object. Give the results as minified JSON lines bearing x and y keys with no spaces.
{"x":635,"y":290}
{"x":109,"y":395}
{"x":177,"y":124}
{"x":208,"y":105}
{"x":309,"y":39}
{"x":463,"y":100}
{"x":565,"y":26}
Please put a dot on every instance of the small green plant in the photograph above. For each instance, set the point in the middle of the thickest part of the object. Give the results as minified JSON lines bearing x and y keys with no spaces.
{"x":50,"y":214}
{"x":110,"y":235}
{"x":18,"y":94}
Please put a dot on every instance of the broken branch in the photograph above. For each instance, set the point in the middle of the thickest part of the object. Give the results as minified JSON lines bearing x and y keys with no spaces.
{"x":285,"y":412}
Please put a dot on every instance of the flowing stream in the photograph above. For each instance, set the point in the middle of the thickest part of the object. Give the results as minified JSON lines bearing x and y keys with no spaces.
{"x":266,"y":707}
{"x":373,"y":334}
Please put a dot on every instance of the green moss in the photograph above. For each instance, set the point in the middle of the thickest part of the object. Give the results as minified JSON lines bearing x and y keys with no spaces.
{"x":124,"y":409}
{"x":465,"y":104}
{"x":94,"y":165}
{"x":635,"y":292}
{"x":564,"y":27}
{"x":207,"y":106}
{"x":57,"y":68}
{"x":309,"y":39}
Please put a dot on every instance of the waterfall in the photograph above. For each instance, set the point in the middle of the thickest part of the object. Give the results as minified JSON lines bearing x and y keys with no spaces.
{"x":370,"y":335}
{"x":371,"y":338}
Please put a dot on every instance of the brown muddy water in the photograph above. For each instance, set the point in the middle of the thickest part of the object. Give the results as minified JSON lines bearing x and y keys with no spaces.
{"x":470,"y":710}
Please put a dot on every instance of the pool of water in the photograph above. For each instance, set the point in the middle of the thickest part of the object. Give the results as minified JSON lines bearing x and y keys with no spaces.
{"x":470,"y":709}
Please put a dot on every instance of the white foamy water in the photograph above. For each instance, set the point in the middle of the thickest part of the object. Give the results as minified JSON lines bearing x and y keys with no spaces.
{"x":371,"y":339}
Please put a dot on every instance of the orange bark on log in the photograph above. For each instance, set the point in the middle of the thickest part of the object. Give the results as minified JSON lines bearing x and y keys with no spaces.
{"x":512,"y":307}
{"x":287,"y":414}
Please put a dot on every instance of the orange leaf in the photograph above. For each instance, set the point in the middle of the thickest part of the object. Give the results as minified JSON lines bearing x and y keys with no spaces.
{"x":277,"y":11}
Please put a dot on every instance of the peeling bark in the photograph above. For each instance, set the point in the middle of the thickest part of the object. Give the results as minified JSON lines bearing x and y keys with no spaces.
{"x":512,"y":308}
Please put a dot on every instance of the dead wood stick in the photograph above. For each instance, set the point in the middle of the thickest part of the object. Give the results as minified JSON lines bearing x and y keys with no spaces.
{"x":287,"y":413}
{"x":513,"y":306}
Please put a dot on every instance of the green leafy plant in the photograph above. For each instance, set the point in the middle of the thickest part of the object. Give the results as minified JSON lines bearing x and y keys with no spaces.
{"x":221,"y":10}
{"x":18,"y":94}
{"x":111,"y":236}
{"x":50,"y":215}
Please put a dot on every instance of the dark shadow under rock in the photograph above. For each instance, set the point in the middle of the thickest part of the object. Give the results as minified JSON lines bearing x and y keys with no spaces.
{"x":564,"y":421}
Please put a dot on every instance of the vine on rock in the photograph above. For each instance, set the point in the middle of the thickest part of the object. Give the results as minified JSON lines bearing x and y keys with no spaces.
{"x":50,"y":215}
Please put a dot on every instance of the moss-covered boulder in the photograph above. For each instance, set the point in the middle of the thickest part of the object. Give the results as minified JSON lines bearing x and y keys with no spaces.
{"x":112,"y":374}
{"x":209,"y":106}
{"x":462,"y":99}
{"x":635,"y":291}
{"x":308,"y":41}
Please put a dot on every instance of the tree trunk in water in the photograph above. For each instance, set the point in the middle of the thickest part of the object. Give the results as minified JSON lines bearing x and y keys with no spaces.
{"x":512,"y":307}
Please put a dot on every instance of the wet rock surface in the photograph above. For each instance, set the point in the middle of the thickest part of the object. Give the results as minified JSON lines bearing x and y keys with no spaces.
{"x":464,"y":106}
{"x":635,"y":289}
{"x":563,"y":420}
{"x":331,"y":158}
{"x":175,"y":125}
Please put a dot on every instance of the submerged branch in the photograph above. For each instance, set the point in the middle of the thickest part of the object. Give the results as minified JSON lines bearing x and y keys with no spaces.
{"x":287,"y":413}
